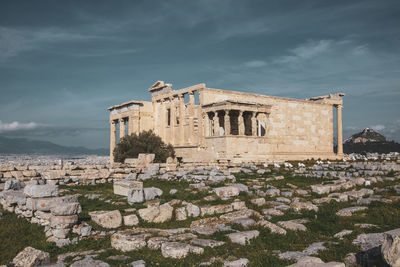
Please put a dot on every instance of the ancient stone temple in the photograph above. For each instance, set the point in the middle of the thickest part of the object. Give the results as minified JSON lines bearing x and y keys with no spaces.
{"x":212,"y":125}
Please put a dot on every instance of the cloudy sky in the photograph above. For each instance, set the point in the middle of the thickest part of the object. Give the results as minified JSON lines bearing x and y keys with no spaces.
{"x":62,"y":63}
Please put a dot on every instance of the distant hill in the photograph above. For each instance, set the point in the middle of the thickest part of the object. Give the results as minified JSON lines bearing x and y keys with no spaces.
{"x":369,"y":140}
{"x":26,"y":146}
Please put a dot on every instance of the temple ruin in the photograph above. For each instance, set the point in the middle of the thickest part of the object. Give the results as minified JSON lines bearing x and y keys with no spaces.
{"x":212,"y":125}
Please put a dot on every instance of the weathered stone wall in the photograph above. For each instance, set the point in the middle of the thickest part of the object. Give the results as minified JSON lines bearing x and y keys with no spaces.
{"x":296,"y":129}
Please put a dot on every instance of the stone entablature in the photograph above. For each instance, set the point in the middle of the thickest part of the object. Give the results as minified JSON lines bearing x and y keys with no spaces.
{"x":211,"y":125}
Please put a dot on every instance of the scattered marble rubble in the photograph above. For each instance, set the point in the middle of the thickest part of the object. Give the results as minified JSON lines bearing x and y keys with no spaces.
{"x":33,"y":193}
{"x":41,"y":204}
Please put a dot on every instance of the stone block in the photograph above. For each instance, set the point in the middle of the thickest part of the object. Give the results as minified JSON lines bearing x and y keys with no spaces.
{"x":122,"y":187}
{"x":157,"y":214}
{"x":391,"y":247}
{"x":38,"y":191}
{"x":14,"y":198}
{"x":63,"y":221}
{"x":131,"y":220}
{"x":30,"y":257}
{"x":226,"y":192}
{"x":64,"y":209}
{"x":44,"y":204}
{"x":128,"y":240}
{"x":107,"y":219}
{"x":243,"y":237}
{"x":12,"y":184}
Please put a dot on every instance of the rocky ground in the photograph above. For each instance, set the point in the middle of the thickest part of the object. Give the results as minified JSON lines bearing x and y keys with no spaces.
{"x":312,"y":213}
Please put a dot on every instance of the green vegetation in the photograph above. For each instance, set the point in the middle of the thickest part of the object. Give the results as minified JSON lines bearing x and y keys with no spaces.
{"x":145,"y":142}
{"x":16,"y":233}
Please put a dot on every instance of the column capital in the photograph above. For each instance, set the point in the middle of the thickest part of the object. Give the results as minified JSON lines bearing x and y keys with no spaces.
{"x":338,"y":106}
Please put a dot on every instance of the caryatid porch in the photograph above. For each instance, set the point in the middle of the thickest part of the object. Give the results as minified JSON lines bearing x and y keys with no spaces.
{"x":235,"y":118}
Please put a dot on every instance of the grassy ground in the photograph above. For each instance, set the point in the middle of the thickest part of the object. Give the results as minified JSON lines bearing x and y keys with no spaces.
{"x":16,"y":233}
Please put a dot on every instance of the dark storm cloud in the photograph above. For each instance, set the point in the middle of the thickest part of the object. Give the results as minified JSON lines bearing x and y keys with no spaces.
{"x":63,"y":63}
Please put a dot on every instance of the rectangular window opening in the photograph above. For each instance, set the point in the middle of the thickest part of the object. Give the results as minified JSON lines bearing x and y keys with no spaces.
{"x":169,"y":117}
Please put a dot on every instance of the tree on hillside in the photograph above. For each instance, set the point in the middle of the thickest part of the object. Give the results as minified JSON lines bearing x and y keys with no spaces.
{"x":148,"y":142}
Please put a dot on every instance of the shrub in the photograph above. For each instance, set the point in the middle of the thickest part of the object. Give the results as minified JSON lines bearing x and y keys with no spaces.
{"x":148,"y":142}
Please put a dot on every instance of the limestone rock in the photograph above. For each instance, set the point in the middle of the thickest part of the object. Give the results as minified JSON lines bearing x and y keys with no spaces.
{"x":44,"y":204}
{"x":298,"y":206}
{"x":180,"y":214}
{"x":139,"y":263}
{"x":128,"y":240}
{"x":243,"y":237}
{"x":135,"y":195}
{"x":242,"y":262}
{"x":272,"y":212}
{"x":343,"y":233}
{"x":216,"y":209}
{"x":14,"y":197}
{"x":226,"y":192}
{"x":61,"y":233}
{"x":207,"y":243}
{"x":179,"y":250}
{"x":30,"y":257}
{"x":391,"y":248}
{"x":131,"y":220}
{"x":321,"y":189}
{"x":273,"y":227}
{"x":349,"y":211}
{"x":293,"y":225}
{"x":65,"y":209}
{"x":138,"y":195}
{"x":156,"y":242}
{"x":241,"y":214}
{"x":36,"y":191}
{"x":258,"y":201}
{"x":107,"y":219}
{"x":192,"y":210}
{"x":63,"y":221}
{"x":244,"y":222}
{"x":273,"y":192}
{"x":89,"y":262}
{"x":152,"y":193}
{"x":122,"y":187}
{"x":157,"y":214}
{"x":211,"y":222}
{"x":315,"y":262}
{"x":12,"y":184}
{"x":369,"y":241}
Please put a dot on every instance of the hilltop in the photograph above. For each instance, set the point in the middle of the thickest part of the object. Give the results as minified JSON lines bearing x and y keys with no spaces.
{"x":369,"y":140}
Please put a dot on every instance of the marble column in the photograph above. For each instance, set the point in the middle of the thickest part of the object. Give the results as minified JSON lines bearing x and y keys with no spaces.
{"x":241,"y":123}
{"x":130,"y":125}
{"x":122,"y":128}
{"x":227,"y":122}
{"x":202,"y":130}
{"x":113,"y":138}
{"x":173,"y":122}
{"x":339,"y":130}
{"x":216,"y":124}
{"x":181,"y":138}
{"x":136,"y":124}
{"x":190,"y":138}
{"x":253,"y":124}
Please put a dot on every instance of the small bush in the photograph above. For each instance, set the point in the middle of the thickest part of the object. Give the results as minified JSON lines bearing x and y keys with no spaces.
{"x":146,"y":142}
